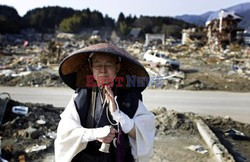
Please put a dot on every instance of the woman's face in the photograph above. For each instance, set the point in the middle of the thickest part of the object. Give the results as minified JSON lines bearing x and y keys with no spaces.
{"x":104,"y":68}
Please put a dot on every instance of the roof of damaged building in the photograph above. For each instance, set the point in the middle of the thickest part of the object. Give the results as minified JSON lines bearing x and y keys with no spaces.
{"x":223,"y":14}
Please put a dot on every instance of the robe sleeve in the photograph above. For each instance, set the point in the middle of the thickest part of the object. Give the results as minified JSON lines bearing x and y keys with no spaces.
{"x":71,"y":136}
{"x":142,"y":146}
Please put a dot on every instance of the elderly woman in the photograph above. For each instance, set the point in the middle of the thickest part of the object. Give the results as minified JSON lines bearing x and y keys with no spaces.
{"x":105,"y":120}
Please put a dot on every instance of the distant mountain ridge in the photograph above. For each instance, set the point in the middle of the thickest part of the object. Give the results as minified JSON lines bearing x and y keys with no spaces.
{"x":241,"y":9}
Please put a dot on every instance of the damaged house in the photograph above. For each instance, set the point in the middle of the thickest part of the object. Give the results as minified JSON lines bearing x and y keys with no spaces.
{"x":222,"y":29}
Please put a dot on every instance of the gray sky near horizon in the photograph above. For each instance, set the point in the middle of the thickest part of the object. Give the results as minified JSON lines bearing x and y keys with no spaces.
{"x":129,"y":7}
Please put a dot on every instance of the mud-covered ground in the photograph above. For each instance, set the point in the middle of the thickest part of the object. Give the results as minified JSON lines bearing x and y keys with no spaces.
{"x":227,"y":70}
{"x":174,"y":133}
{"x":213,"y":76}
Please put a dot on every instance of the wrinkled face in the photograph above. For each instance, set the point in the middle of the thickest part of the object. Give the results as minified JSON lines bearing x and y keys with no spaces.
{"x":104,"y":68}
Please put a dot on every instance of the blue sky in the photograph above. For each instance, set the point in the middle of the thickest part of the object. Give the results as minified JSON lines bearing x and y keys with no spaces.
{"x":133,"y":7}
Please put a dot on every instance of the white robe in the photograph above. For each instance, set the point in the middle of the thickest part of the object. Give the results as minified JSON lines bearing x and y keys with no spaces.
{"x":72,"y":137}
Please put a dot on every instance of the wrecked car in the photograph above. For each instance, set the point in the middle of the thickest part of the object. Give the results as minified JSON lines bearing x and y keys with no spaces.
{"x":158,"y":57}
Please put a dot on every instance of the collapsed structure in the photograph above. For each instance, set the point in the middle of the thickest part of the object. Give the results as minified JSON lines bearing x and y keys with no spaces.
{"x":221,"y":29}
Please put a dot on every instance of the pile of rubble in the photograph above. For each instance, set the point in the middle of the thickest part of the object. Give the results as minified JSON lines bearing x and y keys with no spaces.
{"x":28,"y":131}
{"x":33,"y":79}
{"x":206,"y":70}
{"x":167,"y":122}
{"x":27,"y":69}
{"x":189,"y":67}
